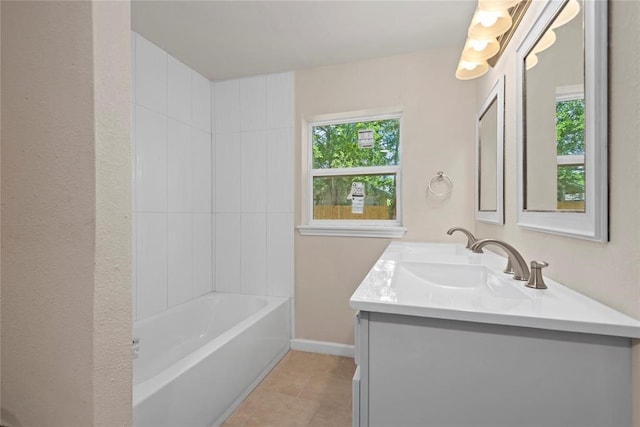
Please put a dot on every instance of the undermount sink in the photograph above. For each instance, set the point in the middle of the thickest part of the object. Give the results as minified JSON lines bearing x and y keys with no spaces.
{"x":439,"y":252}
{"x":459,"y":276}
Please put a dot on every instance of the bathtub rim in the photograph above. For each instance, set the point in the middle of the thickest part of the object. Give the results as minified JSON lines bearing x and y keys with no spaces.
{"x":145,"y":389}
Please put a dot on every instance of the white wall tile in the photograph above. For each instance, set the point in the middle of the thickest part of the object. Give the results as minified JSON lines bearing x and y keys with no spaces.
{"x":151,"y":257}
{"x":227,"y":247}
{"x":280,"y":170}
{"x":201,"y":102}
{"x":179,"y":90}
{"x":180,"y":259}
{"x":151,"y":161}
{"x":202,"y":254}
{"x":179,"y":167}
{"x":151,"y":75}
{"x":226,"y":106}
{"x":279,"y":102}
{"x":280,"y":255}
{"x":201,"y":170}
{"x":227,"y":172}
{"x":253,"y":171}
{"x":253,"y":114}
{"x":254,"y":254}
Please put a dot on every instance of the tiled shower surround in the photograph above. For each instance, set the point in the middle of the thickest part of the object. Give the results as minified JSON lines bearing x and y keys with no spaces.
{"x":213,"y":183}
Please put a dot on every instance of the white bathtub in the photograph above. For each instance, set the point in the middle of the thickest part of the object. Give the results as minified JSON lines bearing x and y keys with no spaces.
{"x":198,"y":360}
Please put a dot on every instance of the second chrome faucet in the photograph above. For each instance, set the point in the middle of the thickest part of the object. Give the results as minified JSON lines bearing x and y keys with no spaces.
{"x":516,"y":265}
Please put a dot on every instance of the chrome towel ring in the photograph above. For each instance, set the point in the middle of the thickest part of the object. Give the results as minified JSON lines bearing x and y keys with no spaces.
{"x":443,"y":183}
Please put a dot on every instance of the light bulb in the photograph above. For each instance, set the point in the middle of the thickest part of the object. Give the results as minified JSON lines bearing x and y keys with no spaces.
{"x":487,"y":25}
{"x":469,"y":65}
{"x":487,"y":19}
{"x":478,"y":45}
{"x":471,"y":69}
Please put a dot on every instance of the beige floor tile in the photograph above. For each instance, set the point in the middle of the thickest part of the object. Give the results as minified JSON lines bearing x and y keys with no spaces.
{"x":331,"y":419}
{"x":328,"y":391}
{"x":285,"y":382}
{"x":304,"y":389}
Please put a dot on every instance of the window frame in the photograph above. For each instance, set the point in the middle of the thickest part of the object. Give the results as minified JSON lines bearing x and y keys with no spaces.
{"x":352,"y":227}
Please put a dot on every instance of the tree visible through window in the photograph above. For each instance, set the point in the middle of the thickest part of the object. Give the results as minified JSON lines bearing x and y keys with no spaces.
{"x":355,"y":178}
{"x":570,"y":152}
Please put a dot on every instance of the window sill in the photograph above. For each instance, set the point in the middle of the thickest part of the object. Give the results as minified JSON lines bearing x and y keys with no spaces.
{"x":394,"y":232}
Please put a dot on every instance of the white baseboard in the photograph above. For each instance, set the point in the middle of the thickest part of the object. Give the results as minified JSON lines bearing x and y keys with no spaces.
{"x":323,"y":347}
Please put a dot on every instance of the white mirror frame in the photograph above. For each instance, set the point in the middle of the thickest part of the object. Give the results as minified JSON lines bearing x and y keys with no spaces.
{"x":497,"y":216}
{"x":593,"y":223}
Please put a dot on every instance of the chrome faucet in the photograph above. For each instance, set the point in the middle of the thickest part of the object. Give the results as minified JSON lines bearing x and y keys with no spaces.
{"x":471,"y":239}
{"x":516,"y":264}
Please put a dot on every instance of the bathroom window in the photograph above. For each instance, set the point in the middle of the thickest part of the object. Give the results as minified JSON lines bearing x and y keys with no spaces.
{"x":354,"y":177}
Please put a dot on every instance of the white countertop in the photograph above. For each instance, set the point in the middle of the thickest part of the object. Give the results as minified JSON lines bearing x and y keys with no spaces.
{"x":447,"y":281}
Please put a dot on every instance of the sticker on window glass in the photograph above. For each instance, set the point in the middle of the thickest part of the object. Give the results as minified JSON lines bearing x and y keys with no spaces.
{"x":365,"y":138}
{"x":357,"y":197}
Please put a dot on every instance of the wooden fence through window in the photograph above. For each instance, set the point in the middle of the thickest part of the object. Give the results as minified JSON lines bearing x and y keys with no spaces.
{"x":344,"y":212}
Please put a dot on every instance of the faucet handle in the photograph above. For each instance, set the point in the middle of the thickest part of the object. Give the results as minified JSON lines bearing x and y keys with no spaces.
{"x":536,"y":281}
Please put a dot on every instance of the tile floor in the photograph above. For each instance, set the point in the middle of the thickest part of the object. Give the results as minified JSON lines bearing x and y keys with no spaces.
{"x":304,"y":389}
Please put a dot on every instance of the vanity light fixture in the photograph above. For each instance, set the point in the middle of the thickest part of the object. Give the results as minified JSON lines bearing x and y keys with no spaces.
{"x":491,"y":20}
{"x":480,"y":49}
{"x":468,"y":70}
{"x":488,"y":24}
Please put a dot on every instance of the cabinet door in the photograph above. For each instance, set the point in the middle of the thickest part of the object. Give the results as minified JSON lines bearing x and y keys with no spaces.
{"x":431,"y":372}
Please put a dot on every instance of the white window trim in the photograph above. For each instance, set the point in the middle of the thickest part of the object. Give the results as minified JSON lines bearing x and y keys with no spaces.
{"x":570,"y":160}
{"x":353,"y":228}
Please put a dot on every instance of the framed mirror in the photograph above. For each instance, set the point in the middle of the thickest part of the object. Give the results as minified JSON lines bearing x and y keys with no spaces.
{"x":562,"y":121}
{"x":490,"y":157}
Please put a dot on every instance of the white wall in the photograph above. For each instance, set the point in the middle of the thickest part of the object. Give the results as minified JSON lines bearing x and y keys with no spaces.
{"x":210,"y":213}
{"x":438,"y":134}
{"x":172,"y":181}
{"x":253,"y":138}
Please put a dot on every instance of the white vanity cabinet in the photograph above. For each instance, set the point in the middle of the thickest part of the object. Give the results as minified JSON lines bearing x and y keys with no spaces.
{"x":552,"y":358}
{"x":416,"y":371}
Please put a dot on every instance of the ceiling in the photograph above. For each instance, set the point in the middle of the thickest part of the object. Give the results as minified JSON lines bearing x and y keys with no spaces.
{"x":236,"y":38}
